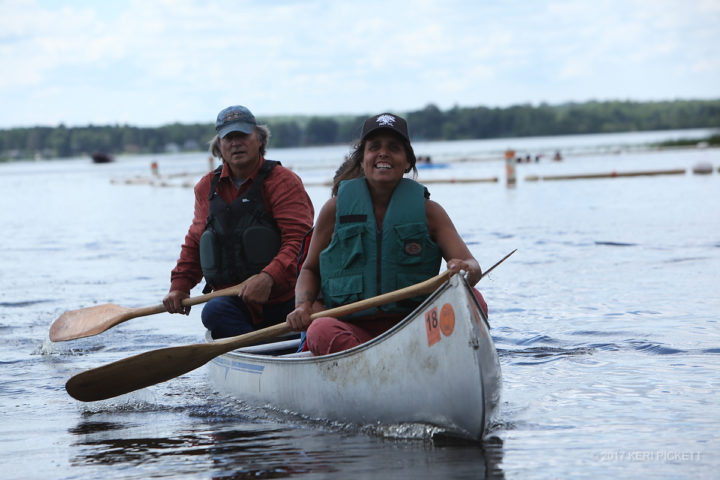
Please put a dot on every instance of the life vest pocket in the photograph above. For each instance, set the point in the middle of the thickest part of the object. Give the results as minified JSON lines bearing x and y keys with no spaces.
{"x":209,"y":254}
{"x":349,"y":240}
{"x":413,"y":243}
{"x":260,"y":245}
{"x":343,"y":290}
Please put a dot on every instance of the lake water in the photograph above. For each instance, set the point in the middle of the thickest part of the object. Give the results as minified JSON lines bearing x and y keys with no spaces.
{"x":605,"y":320}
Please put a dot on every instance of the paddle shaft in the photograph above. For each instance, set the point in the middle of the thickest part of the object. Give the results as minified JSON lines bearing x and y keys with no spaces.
{"x":156,"y":366}
{"x":188,"y":302}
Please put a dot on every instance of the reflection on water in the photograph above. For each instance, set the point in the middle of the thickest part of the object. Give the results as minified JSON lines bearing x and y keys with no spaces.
{"x":258,"y":450}
{"x":88,"y":427}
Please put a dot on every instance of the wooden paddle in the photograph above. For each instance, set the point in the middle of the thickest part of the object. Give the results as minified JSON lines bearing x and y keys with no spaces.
{"x":89,"y":321}
{"x":149,"y":368}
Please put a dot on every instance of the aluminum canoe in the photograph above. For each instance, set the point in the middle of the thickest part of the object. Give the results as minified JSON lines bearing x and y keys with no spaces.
{"x":437,"y":367}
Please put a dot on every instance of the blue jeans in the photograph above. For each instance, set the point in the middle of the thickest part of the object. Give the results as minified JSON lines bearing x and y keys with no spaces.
{"x":228,"y":316}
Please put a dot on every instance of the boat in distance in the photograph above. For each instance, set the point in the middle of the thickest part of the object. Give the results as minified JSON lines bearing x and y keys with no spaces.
{"x":102,"y":157}
{"x":437,"y":367}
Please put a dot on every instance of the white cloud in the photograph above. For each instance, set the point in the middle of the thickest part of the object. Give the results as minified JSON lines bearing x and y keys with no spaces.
{"x":156,"y":62}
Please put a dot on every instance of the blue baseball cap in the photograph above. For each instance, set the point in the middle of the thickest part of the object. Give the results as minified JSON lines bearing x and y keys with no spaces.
{"x":234,"y":119}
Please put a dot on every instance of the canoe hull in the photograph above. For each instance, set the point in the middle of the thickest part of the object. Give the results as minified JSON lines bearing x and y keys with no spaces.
{"x":437,"y":367}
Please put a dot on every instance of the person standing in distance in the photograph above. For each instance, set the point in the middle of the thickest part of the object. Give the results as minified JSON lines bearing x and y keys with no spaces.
{"x":251,"y":215}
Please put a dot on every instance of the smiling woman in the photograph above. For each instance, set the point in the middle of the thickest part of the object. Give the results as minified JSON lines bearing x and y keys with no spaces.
{"x":379,"y":232}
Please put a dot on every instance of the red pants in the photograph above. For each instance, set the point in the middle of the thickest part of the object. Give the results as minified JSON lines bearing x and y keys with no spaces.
{"x":329,"y":335}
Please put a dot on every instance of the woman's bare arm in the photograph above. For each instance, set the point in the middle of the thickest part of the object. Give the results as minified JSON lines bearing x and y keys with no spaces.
{"x":453,"y":247}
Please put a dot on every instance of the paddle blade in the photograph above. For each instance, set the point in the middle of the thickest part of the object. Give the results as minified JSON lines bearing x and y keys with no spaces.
{"x":86,"y":322}
{"x":149,"y":368}
{"x":93,"y":320}
{"x":139,"y":371}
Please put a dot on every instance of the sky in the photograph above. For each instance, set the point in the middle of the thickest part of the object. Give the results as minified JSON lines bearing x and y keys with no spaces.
{"x":154,"y":62}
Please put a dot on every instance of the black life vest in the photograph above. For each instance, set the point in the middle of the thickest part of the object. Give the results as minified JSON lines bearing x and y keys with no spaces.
{"x":240,"y":238}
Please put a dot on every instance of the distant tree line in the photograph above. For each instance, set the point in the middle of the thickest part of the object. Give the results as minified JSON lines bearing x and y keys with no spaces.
{"x":429,"y":123}
{"x":712,"y":140}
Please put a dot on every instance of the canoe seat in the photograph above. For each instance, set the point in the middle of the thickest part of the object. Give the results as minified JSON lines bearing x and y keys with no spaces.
{"x":274,"y":348}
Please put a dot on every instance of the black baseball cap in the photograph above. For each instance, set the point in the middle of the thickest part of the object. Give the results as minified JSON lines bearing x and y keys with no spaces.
{"x":387,"y":121}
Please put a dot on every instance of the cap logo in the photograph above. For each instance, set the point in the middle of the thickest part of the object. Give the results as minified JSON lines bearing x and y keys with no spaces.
{"x":388,"y":120}
{"x":230,"y":116}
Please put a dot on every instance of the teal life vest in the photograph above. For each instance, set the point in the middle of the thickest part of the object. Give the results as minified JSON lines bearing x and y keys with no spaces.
{"x":240,"y":238}
{"x":362,"y":261}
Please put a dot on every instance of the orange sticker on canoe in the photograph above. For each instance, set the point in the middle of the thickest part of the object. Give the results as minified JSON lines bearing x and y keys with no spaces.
{"x":447,"y":320}
{"x":432,"y":325}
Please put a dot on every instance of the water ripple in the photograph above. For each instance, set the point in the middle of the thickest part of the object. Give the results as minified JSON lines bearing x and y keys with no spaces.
{"x":536,"y":339}
{"x":616,"y":244}
{"x":655,"y":348}
{"x":535,"y":355}
{"x":23,"y":303}
{"x":686,"y":259}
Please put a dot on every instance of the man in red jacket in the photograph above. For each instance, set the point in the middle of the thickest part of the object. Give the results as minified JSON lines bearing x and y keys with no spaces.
{"x":251,"y":215}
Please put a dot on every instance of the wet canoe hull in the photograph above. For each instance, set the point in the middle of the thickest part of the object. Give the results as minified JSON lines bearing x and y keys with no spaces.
{"x":437,"y":367}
